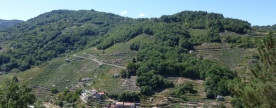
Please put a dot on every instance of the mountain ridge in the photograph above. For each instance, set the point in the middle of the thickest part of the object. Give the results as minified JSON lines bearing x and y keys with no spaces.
{"x":8,"y":23}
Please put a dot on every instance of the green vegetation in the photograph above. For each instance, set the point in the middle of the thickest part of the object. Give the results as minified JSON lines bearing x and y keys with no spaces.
{"x":54,"y":33}
{"x":181,"y":90}
{"x":168,"y":61}
{"x":54,"y":90}
{"x":67,"y":98}
{"x":258,"y":88}
{"x":59,"y":48}
{"x":217,"y":80}
{"x":126,"y":97}
{"x":46,"y":38}
{"x":16,"y":94}
{"x":8,"y":23}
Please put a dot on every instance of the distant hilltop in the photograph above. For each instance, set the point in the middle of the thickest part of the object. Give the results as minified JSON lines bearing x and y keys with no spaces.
{"x":8,"y":23}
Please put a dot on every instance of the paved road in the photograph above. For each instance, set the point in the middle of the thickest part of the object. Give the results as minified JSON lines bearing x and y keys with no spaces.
{"x":99,"y":62}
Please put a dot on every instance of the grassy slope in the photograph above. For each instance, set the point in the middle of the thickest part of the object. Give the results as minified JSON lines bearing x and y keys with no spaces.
{"x":221,"y":52}
{"x":60,"y":74}
{"x":110,"y":55}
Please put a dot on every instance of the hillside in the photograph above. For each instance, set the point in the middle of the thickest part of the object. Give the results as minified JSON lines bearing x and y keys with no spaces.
{"x":8,"y":23}
{"x":62,"y":31}
{"x":190,"y":55}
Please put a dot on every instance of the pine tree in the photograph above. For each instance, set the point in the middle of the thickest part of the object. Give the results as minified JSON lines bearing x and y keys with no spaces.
{"x":258,"y":88}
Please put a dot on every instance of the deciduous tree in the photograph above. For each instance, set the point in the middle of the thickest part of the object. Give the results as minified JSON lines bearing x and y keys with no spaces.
{"x":15,"y":94}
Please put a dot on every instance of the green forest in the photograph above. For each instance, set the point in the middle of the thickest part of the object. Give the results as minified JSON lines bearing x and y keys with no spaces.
{"x":8,"y":23}
{"x":63,"y":32}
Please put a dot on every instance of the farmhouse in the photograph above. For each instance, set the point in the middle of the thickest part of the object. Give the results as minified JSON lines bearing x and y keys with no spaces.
{"x":99,"y":95}
{"x":191,"y":51}
{"x":116,"y":75}
{"x":93,"y":92}
{"x":85,"y":79}
{"x":89,"y":94}
{"x":220,"y":98}
{"x":67,"y":60}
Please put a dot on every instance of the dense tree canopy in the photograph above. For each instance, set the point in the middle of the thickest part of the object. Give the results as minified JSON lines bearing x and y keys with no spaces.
{"x":217,"y":80}
{"x":210,"y":21}
{"x":54,"y":33}
{"x":155,"y":61}
{"x":125,"y":97}
{"x":15,"y":94}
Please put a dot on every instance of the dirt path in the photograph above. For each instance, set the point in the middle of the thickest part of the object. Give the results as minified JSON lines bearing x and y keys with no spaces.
{"x":99,"y":62}
{"x":181,"y":80}
{"x":49,"y":105}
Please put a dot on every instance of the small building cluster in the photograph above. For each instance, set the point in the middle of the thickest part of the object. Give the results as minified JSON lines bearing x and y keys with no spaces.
{"x":220,"y":98}
{"x":117,"y":61}
{"x":89,"y":94}
{"x":116,"y":75}
{"x":67,"y":60}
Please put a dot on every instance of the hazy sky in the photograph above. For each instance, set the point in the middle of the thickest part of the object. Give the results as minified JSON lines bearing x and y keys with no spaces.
{"x":257,"y":12}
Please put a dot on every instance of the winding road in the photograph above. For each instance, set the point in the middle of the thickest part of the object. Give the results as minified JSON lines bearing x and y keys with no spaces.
{"x":99,"y":62}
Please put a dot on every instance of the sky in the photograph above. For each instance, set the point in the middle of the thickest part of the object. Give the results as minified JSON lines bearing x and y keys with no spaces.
{"x":257,"y":12}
